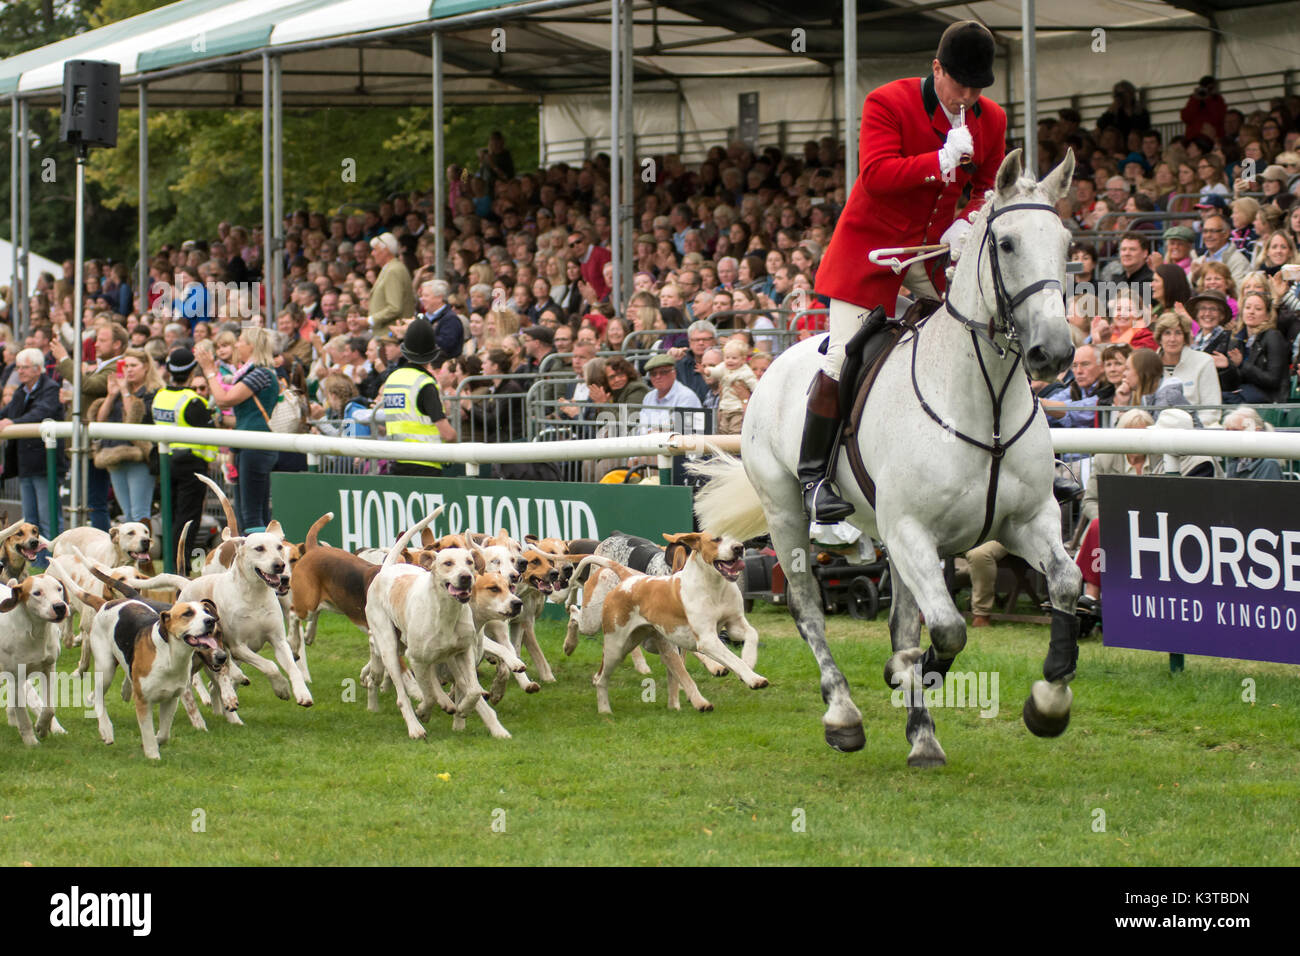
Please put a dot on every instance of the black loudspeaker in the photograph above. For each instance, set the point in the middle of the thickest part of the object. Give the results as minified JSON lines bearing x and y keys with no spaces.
{"x":91,"y":96}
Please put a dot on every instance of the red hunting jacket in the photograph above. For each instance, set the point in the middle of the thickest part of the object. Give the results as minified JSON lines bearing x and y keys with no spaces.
{"x":900,"y":198}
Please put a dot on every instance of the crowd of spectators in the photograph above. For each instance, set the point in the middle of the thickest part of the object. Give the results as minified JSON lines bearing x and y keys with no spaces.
{"x":725,"y":255}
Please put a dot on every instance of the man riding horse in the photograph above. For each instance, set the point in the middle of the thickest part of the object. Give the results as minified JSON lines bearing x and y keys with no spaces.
{"x":916,"y":159}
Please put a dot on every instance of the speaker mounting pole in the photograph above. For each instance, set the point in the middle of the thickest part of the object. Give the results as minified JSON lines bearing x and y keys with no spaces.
{"x":91,"y":97}
{"x":79,"y":473}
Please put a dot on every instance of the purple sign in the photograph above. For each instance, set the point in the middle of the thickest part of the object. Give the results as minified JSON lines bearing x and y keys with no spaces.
{"x":1201,"y":566}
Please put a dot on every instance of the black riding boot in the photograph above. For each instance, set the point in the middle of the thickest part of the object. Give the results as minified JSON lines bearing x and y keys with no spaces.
{"x":821,"y":431}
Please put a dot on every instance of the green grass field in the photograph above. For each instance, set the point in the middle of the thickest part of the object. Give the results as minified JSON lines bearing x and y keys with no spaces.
{"x":1182,"y":769}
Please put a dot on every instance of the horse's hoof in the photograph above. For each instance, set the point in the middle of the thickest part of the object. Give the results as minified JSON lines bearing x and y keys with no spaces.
{"x":846,"y":740}
{"x":1040,"y":724}
{"x":927,"y":754}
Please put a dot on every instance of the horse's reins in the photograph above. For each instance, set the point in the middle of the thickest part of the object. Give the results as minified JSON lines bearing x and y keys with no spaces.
{"x":1000,"y":324}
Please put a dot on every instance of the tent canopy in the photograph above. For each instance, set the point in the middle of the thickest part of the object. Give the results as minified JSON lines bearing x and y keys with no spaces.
{"x":357,"y":52}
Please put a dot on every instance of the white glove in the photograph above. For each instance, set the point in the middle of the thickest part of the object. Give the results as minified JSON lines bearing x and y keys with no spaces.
{"x":958,"y":144}
{"x":955,"y":237}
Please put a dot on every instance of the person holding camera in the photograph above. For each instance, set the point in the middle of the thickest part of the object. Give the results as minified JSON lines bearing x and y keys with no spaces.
{"x":495,"y":161}
{"x":1205,"y":110}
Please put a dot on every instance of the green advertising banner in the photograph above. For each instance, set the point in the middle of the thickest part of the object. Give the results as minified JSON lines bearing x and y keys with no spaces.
{"x":373,"y":511}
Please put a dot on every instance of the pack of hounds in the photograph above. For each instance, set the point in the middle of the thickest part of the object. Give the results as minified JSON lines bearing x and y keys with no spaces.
{"x":435,"y":609}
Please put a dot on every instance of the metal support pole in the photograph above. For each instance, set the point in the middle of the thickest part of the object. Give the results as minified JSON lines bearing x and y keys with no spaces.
{"x":1216,"y":48}
{"x":23,"y":289}
{"x":850,"y":94}
{"x":143,"y":214}
{"x":313,"y":464}
{"x":681,"y":121}
{"x":1028,"y":44}
{"x":627,"y":202}
{"x":1011,"y":95}
{"x":439,"y":162}
{"x":615,"y":158}
{"x":52,"y":485}
{"x":541,"y":132}
{"x":79,"y":496}
{"x":165,"y":505}
{"x":268,"y":228}
{"x":277,"y":178}
{"x":13,"y":205}
{"x":836,"y":92}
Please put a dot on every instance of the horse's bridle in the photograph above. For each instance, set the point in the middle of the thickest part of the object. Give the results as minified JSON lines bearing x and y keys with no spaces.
{"x":1002,"y":323}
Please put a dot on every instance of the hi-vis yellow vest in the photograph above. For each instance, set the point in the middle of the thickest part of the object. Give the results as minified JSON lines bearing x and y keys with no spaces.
{"x":402,"y":418}
{"x":169,"y":406}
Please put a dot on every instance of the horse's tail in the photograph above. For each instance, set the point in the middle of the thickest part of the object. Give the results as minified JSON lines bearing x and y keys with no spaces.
{"x":728,"y":504}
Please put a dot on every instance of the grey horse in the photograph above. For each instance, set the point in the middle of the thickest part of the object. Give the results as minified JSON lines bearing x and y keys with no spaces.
{"x":946,"y":478}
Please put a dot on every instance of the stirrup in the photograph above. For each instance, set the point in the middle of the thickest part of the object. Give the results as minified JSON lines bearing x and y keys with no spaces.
{"x":823,"y":503}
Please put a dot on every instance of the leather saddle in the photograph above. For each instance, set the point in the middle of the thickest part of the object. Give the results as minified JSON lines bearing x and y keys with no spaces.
{"x":864,"y":356}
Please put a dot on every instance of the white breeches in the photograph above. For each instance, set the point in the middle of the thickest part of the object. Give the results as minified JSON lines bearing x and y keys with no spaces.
{"x":845,"y":318}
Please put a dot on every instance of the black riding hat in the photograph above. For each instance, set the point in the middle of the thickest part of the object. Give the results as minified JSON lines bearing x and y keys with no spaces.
{"x":966,"y":52}
{"x":418,"y":345}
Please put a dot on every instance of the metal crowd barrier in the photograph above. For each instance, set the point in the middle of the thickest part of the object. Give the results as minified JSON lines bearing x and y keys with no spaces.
{"x":561,"y":363}
{"x":659,"y":447}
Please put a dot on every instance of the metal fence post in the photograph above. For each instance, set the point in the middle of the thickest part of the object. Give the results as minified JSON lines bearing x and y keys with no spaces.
{"x":52,"y":482}
{"x":165,"y":493}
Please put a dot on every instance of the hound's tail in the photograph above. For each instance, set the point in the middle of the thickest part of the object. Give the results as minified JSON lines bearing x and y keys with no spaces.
{"x":121,"y":587}
{"x":231,"y":521}
{"x":321,"y":522}
{"x":93,"y":601}
{"x":183,"y":563}
{"x":728,"y":504}
{"x":580,"y":573}
{"x":407,"y":535}
{"x":159,"y":581}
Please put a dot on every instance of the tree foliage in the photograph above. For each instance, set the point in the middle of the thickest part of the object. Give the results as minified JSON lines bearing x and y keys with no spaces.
{"x":205,"y":166}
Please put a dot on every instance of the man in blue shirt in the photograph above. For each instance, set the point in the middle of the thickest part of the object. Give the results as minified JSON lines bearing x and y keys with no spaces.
{"x":1076,"y":405}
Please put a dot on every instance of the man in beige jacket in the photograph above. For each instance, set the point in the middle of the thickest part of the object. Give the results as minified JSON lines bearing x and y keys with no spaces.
{"x":393,"y":297}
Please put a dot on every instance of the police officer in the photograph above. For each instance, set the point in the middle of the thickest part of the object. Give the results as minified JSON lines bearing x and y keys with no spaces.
{"x":180,"y":406}
{"x":412,"y":401}
{"x":924,"y":142}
